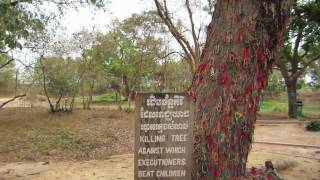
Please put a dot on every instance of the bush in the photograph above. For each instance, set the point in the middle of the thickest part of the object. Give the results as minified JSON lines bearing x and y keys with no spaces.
{"x":313,"y":125}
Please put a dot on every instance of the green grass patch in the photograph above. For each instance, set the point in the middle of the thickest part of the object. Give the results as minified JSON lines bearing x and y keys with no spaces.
{"x":103,"y":98}
{"x":107,"y":97}
{"x":272,"y":106}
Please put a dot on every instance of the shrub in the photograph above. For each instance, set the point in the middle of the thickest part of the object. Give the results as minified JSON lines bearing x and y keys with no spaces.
{"x":313,"y":125}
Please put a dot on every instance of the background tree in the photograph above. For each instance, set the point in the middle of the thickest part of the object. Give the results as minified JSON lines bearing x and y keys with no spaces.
{"x":92,"y":76}
{"x":315,"y":75}
{"x":173,"y":76}
{"x":22,"y":20}
{"x":17,"y":22}
{"x":301,"y":48}
{"x":145,"y":30}
{"x":242,"y":41}
{"x":190,"y":46}
{"x":60,"y":79}
{"x":7,"y":74}
{"x":275,"y":84}
{"x":129,"y":53}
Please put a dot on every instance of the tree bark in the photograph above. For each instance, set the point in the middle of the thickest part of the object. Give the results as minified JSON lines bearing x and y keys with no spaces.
{"x":242,"y":41}
{"x":292,"y":97}
{"x":44,"y":84}
{"x":126,"y":86}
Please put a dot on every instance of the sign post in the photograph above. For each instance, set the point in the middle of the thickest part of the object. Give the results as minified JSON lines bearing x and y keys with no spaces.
{"x":163,"y":136}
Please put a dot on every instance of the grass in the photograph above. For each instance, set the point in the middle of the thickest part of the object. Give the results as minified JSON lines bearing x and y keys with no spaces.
{"x":308,"y":109}
{"x":106,"y":99}
{"x":109,"y":97}
{"x":273,"y":106}
{"x":36,"y":134}
{"x":310,"y":99}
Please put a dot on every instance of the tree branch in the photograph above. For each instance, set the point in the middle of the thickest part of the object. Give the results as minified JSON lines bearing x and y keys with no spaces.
{"x":302,"y":70}
{"x":12,"y":99}
{"x":295,"y":55}
{"x":185,"y":45}
{"x":283,"y":69}
{"x":45,"y":83}
{"x":15,"y":92}
{"x":5,"y":64}
{"x":194,"y":35}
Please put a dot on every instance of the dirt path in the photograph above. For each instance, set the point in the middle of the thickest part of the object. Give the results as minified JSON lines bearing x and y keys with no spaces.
{"x":294,"y":163}
{"x":117,"y":167}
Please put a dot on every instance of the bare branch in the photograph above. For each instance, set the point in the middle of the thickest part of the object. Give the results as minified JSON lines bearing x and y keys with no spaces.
{"x":167,"y":55}
{"x":185,"y":45}
{"x":7,"y":63}
{"x":24,"y":64}
{"x":15,"y":92}
{"x":194,"y":35}
{"x":12,"y":99}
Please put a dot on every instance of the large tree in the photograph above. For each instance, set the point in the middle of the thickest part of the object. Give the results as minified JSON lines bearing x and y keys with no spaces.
{"x":242,"y":42}
{"x":302,"y":47}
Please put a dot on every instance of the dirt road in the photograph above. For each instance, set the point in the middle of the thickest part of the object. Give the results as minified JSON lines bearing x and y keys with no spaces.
{"x":117,"y":167}
{"x":294,"y":163}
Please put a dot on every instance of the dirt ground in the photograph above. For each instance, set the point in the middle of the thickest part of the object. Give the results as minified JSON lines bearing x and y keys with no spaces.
{"x":22,"y":156}
{"x":98,"y":144}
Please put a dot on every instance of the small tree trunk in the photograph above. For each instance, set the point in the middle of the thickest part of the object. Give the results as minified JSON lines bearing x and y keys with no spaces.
{"x":126,"y":86}
{"x":292,"y":98}
{"x":83,"y":102}
{"x":44,"y":83}
{"x":90,"y":95}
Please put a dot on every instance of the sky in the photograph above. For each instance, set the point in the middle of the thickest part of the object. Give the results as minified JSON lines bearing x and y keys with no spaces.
{"x":76,"y":20}
{"x":86,"y":18}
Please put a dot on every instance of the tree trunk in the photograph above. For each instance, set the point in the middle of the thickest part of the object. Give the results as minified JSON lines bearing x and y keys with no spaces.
{"x":292,"y":98}
{"x":44,"y":84}
{"x":126,"y":86}
{"x":90,"y":95}
{"x":238,"y":56}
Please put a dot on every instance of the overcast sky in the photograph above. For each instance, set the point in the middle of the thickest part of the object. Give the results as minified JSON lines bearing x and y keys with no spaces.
{"x":75,"y":20}
{"x":86,"y":18}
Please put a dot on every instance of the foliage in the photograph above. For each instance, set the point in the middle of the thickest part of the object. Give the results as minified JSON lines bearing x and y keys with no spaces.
{"x":273,"y":106}
{"x":60,"y":79}
{"x":17,"y":22}
{"x":315,"y":75}
{"x":6,"y":73}
{"x":275,"y":84}
{"x":62,"y":76}
{"x":23,"y":20}
{"x":313,"y":125}
{"x":127,"y":55}
{"x":175,"y":76}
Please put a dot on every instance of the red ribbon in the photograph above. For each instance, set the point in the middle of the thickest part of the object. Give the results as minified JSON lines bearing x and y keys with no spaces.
{"x":203,"y":66}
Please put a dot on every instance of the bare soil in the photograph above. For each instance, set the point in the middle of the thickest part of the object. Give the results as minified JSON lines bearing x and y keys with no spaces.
{"x":35,"y":144}
{"x":98,"y":144}
{"x":34,"y":134}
